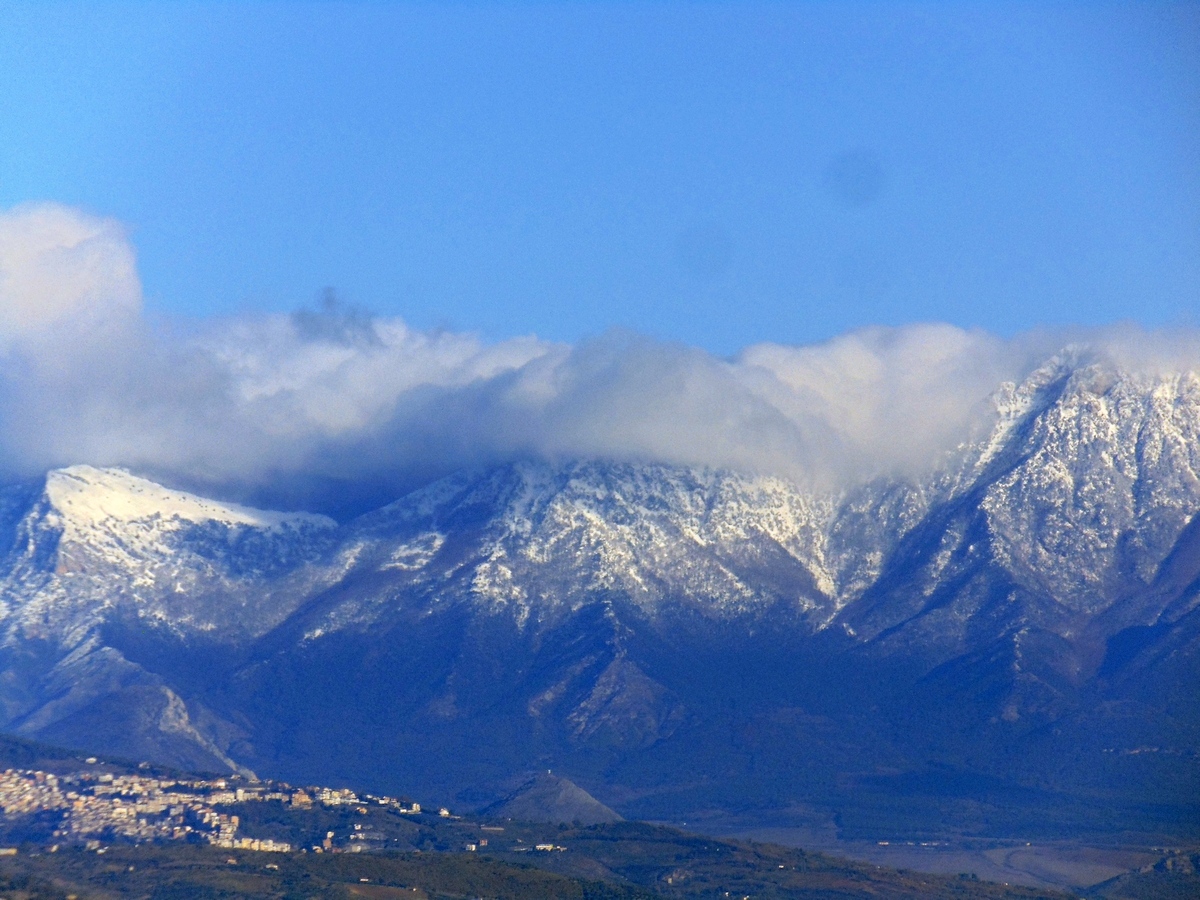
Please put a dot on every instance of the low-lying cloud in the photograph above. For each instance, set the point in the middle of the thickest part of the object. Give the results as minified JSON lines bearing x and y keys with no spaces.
{"x":332,"y":409}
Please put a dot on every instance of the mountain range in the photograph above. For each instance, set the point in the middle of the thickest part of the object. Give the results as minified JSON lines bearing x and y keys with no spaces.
{"x":1010,"y":641}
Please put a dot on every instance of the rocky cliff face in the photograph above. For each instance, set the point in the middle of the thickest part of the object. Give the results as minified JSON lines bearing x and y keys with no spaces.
{"x":633,"y":618}
{"x":1063,"y":535}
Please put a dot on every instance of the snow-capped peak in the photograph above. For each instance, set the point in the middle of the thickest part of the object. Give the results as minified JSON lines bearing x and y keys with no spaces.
{"x":88,"y":496}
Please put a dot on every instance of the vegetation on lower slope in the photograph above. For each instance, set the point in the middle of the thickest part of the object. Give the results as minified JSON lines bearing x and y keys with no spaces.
{"x":678,"y":866}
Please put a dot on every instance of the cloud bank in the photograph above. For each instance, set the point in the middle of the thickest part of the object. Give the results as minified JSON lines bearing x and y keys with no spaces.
{"x":331,"y":409}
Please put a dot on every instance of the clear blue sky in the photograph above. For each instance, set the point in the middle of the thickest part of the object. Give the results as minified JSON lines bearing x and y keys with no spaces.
{"x":719,"y":174}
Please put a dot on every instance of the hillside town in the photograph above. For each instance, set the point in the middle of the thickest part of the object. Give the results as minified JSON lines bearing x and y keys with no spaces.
{"x":95,"y":806}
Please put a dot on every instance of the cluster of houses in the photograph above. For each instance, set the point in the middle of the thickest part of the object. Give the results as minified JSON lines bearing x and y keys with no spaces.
{"x":97,"y":805}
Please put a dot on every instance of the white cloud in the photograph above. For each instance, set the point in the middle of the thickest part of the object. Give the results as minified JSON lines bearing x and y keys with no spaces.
{"x":896,"y":398}
{"x":62,"y":268}
{"x":332,"y":409}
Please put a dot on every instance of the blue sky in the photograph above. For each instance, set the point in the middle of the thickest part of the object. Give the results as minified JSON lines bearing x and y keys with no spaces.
{"x":715,"y":174}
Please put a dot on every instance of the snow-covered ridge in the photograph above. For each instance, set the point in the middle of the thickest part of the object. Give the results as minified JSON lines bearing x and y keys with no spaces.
{"x":88,"y":496}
